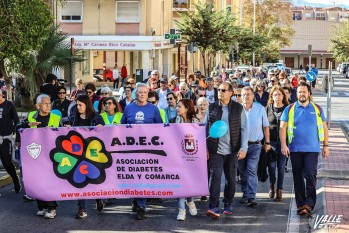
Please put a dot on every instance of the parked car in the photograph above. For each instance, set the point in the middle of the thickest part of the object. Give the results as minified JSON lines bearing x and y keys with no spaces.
{"x":343,"y":67}
{"x":98,"y":75}
{"x":347,"y":74}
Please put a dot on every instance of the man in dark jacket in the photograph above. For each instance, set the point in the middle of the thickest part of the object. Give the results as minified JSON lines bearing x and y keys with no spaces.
{"x":62,"y":103}
{"x":224,"y":152}
{"x":50,"y":87}
{"x":8,"y":121}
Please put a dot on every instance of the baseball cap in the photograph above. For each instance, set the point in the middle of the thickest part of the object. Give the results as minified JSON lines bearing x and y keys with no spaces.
{"x":163,"y":80}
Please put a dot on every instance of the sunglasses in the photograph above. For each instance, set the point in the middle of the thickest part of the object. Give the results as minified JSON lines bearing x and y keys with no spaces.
{"x":128,"y":83}
{"x":61,"y":93}
{"x":260,"y":86}
{"x":222,"y":90}
{"x":169,"y":99}
{"x":152,"y":102}
{"x":108,"y":103}
{"x":202,"y":95}
{"x":237,"y":95}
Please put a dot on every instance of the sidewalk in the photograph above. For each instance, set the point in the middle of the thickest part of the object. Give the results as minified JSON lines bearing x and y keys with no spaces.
{"x":333,"y":180}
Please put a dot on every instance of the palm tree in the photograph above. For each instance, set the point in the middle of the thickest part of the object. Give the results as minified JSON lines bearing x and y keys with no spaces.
{"x":55,"y":54}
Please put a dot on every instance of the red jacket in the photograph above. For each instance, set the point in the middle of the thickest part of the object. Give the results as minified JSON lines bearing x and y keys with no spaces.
{"x":124,"y":72}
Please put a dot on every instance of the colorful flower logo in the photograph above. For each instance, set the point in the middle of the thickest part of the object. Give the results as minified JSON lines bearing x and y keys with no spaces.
{"x":80,"y":161}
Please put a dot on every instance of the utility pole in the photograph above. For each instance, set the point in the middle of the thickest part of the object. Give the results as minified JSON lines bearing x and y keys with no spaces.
{"x":254,"y":31}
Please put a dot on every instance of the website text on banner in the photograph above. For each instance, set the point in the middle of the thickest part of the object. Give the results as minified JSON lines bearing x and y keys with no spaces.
{"x":122,"y":161}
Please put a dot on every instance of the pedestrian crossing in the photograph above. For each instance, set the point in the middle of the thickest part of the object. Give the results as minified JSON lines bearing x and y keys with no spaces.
{"x":339,"y":93}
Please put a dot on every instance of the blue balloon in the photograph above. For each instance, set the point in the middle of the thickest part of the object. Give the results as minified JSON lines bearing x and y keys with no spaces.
{"x":95,"y":105}
{"x":56,"y":112}
{"x":218,"y":129}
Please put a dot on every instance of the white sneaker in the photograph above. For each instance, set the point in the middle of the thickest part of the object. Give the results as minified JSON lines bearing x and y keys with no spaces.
{"x":181,"y":215}
{"x":192,"y":208}
{"x":50,"y":214}
{"x":41,"y":212}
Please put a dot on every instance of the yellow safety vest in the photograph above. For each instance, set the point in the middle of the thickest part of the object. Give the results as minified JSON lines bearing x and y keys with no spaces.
{"x":163,"y":115}
{"x":52,"y":122}
{"x":291,"y":126}
{"x":116,"y":120}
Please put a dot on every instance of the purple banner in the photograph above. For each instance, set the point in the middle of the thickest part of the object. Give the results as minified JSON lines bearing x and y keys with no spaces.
{"x":120,"y":161}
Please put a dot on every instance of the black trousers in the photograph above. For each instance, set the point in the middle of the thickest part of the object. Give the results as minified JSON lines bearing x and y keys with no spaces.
{"x":304,"y":166}
{"x":50,"y":205}
{"x":6,"y":159}
{"x":116,"y":83}
{"x":219,"y":163}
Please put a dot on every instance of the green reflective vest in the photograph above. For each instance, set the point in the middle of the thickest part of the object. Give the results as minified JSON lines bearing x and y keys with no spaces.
{"x":291,"y":126}
{"x":116,"y":120}
{"x":52,"y":122}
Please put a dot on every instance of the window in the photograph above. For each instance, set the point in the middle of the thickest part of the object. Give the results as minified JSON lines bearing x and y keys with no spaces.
{"x":127,"y":11}
{"x":320,"y":16}
{"x":71,"y":11}
{"x":308,"y":15}
{"x":183,"y":3}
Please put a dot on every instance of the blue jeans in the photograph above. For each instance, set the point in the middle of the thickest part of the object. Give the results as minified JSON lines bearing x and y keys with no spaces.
{"x":279,"y":164}
{"x":181,"y":202}
{"x":140,"y":202}
{"x":248,"y":171}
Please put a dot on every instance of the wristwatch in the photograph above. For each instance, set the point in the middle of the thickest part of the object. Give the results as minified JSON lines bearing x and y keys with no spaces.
{"x":267,"y":143}
{"x":325,"y":145}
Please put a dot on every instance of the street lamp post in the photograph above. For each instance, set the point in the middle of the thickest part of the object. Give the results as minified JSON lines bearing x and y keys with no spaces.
{"x":254,"y":30}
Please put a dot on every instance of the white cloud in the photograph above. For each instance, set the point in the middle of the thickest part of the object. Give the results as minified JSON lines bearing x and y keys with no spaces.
{"x":329,"y":2}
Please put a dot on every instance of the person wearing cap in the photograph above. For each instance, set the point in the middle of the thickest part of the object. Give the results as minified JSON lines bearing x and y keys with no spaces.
{"x":50,"y":87}
{"x":8,"y":121}
{"x":79,"y":87}
{"x":162,"y":93}
{"x":276,"y":105}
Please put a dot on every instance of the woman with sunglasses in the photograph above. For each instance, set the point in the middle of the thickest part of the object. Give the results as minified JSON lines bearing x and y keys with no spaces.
{"x":171,"y":111}
{"x":86,"y":116}
{"x":261,"y":96}
{"x":90,"y":90}
{"x":185,"y":114}
{"x":62,"y":103}
{"x":172,"y":84}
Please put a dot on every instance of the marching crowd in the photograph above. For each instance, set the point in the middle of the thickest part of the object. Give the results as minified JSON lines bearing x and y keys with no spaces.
{"x":266,"y":113}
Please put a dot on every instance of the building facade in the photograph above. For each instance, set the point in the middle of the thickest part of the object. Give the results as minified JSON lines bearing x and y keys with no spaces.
{"x":313,"y":26}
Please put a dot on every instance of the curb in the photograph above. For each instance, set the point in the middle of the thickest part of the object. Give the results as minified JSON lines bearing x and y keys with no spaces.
{"x":6,"y":179}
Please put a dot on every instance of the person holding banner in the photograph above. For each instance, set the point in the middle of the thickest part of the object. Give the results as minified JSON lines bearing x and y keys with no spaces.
{"x":86,"y":116}
{"x":224,"y":152}
{"x":40,"y":119}
{"x":185,"y":114}
{"x":111,"y":115}
{"x":8,"y":120}
{"x":141,"y":112}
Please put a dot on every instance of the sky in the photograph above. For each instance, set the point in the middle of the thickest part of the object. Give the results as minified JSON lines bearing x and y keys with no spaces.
{"x":328,"y":1}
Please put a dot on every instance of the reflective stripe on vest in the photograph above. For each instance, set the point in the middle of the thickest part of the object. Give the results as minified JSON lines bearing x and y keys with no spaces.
{"x":52,"y":122}
{"x":116,"y":119}
{"x":291,"y":126}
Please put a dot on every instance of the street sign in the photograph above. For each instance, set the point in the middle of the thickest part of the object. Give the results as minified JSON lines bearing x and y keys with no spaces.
{"x":311,"y":76}
{"x":173,"y":36}
{"x":192,"y":47}
{"x":310,"y":51}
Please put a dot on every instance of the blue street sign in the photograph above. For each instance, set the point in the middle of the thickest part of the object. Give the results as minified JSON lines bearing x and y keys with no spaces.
{"x":311,"y":76}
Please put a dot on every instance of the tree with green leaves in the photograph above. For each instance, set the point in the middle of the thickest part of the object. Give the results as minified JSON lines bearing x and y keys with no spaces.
{"x":340,"y":42}
{"x":55,"y":54}
{"x":273,"y":21}
{"x":24,"y":27}
{"x":211,"y":30}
